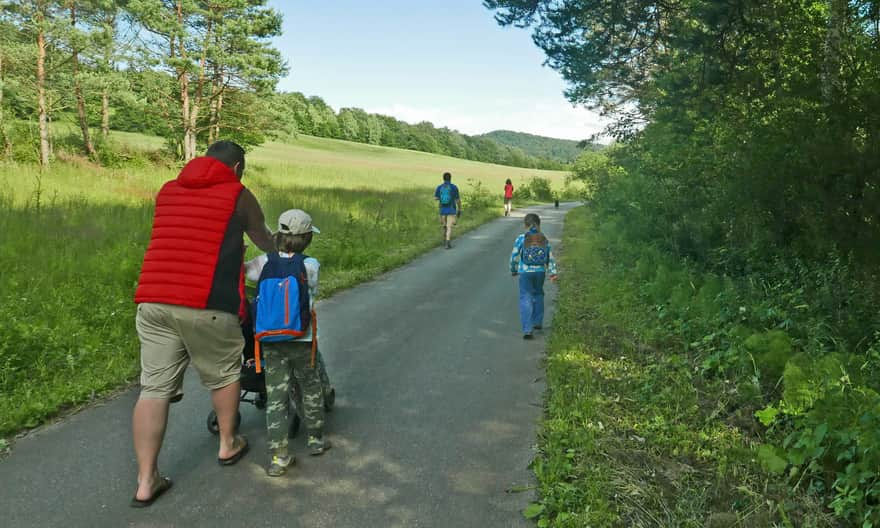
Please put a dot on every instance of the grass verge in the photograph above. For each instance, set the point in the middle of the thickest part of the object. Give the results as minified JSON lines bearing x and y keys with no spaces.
{"x":634,"y":434}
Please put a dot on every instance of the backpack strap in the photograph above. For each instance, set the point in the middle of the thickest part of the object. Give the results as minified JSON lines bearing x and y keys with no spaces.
{"x":314,"y":337}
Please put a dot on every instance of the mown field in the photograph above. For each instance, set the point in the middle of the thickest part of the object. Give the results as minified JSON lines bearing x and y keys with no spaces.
{"x":72,"y":240}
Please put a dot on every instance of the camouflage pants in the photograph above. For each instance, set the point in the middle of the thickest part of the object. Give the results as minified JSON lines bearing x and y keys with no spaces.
{"x":288,"y":364}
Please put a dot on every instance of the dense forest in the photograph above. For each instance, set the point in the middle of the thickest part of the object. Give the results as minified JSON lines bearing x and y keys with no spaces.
{"x":742,"y":201}
{"x":185,"y":70}
{"x":564,"y":150}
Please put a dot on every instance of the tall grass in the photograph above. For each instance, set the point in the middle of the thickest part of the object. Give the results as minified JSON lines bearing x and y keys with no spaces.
{"x":636,"y":431}
{"x":72,"y":239}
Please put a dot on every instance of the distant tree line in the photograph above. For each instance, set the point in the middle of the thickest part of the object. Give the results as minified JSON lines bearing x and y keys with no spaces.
{"x":312,"y":116}
{"x":189,"y":71}
{"x":565,"y":150}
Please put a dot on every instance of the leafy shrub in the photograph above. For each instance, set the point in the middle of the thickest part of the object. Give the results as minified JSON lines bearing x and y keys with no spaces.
{"x":477,"y":196}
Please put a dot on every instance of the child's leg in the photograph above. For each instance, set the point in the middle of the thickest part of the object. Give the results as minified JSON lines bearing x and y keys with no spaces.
{"x":322,"y":370}
{"x":277,"y":371}
{"x":538,"y":299}
{"x":526,"y":304}
{"x":309,"y":380}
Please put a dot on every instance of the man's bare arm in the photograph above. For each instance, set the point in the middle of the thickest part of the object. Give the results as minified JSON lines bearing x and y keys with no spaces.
{"x":255,"y":222}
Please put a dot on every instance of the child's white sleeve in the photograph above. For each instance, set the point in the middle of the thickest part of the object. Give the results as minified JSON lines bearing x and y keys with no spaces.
{"x":312,"y":271}
{"x":254,"y":266}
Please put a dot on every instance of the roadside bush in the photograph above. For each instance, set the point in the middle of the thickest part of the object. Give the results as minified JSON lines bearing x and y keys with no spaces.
{"x":537,"y":188}
{"x":477,"y":196}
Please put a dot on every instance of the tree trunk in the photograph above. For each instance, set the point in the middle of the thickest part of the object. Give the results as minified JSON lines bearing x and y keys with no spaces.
{"x":200,"y":90}
{"x":109,"y":21}
{"x":213,"y":133}
{"x":105,"y":113}
{"x":188,"y":140}
{"x":77,"y":89}
{"x":212,"y":111}
{"x":837,"y":18}
{"x":42,"y":109}
{"x":189,"y":151}
{"x":217,"y":116}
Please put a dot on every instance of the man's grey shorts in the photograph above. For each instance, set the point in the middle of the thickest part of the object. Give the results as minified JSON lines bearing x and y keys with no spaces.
{"x":172,"y":336}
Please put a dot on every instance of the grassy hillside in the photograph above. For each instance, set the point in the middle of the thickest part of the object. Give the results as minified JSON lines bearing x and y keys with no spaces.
{"x":74,"y":236}
{"x":302,"y":162}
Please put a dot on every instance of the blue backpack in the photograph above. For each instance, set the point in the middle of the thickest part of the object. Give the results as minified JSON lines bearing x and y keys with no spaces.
{"x":535,"y":249}
{"x":282,"y":304}
{"x":446,"y":195}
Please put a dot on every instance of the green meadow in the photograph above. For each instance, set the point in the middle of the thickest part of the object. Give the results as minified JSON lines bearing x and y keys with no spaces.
{"x":72,"y":239}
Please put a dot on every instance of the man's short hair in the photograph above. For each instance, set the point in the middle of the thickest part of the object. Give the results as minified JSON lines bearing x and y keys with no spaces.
{"x":228,"y":152}
{"x":447,"y":176}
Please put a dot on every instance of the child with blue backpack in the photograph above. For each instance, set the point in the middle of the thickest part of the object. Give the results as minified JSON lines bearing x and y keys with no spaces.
{"x":286,"y":335}
{"x":531,"y":260}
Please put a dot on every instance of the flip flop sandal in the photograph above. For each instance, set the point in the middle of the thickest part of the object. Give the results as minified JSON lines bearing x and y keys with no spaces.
{"x":164,"y":485}
{"x":236,"y":457}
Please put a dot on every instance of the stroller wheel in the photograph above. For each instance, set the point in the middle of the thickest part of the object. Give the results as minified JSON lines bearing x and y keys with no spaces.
{"x":214,"y":427}
{"x":261,"y":400}
{"x":330,"y":400}
{"x":294,"y":426}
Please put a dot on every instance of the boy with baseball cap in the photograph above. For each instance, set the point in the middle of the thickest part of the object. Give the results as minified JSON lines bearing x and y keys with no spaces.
{"x":298,"y":358}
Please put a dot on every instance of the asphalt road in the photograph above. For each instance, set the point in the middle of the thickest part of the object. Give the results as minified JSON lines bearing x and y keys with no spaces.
{"x":438,"y":399}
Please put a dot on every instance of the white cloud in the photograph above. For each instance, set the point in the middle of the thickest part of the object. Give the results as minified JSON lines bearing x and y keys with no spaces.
{"x":544,"y":118}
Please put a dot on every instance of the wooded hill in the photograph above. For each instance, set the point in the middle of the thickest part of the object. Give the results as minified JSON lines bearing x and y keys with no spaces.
{"x":564,"y":150}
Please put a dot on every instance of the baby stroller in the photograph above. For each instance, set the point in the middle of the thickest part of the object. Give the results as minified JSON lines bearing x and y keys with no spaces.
{"x":253,"y":384}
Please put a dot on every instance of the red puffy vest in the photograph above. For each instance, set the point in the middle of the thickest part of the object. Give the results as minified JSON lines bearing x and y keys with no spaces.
{"x":196,"y":249}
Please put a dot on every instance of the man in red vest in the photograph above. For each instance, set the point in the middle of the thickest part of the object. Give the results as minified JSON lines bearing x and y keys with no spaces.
{"x":188,"y":300}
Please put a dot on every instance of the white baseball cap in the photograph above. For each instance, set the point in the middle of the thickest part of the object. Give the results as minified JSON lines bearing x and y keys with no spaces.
{"x":296,"y":222}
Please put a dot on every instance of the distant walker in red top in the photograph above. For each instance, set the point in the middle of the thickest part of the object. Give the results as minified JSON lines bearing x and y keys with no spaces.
{"x":508,"y":197}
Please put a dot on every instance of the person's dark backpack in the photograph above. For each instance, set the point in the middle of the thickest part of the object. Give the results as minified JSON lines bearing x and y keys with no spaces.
{"x":446,"y":195}
{"x":535,"y":249}
{"x":282,"y":304}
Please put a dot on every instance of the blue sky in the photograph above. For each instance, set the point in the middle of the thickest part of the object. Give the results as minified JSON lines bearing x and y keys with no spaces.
{"x":446,"y":61}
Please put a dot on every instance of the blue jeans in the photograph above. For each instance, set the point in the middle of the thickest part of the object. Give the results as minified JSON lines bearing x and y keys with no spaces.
{"x":531,"y":300}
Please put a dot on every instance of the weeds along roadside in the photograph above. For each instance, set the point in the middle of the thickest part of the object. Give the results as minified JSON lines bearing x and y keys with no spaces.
{"x":70,"y":269}
{"x":637,"y":431}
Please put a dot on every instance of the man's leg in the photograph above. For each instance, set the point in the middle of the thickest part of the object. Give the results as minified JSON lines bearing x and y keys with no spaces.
{"x":215,"y":344}
{"x":163,"y":362}
{"x":149,"y":420}
{"x":225,"y":402}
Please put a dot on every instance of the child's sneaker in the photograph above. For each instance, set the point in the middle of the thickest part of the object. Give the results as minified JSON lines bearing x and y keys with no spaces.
{"x":278,"y":465}
{"x":318,"y":444}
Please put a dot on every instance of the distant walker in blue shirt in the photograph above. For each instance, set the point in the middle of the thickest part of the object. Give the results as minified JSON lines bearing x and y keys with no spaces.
{"x":531,"y":260}
{"x":447,"y":196}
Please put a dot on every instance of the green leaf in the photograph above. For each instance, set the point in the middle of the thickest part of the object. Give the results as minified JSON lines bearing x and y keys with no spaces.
{"x":767,"y":415}
{"x":533,"y":510}
{"x":770,"y":459}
